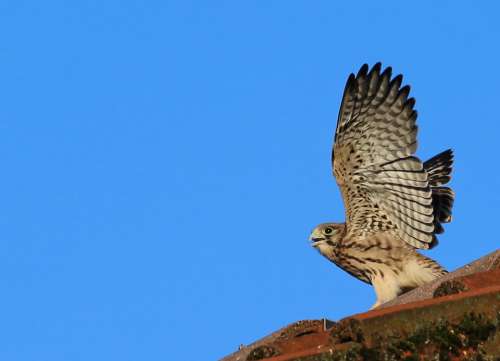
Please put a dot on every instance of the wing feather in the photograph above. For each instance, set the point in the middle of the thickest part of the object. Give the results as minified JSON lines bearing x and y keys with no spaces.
{"x":384,"y":186}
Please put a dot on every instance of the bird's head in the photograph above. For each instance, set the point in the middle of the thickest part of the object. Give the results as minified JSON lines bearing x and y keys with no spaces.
{"x":326,"y":237}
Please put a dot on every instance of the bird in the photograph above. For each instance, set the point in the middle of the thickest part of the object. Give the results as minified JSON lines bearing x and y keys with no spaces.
{"x":395,"y":204}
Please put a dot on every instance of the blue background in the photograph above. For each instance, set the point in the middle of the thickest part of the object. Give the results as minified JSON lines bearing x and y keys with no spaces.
{"x":163,"y":163}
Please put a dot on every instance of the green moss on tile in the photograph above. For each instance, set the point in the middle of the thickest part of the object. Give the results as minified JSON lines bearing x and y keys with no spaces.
{"x":262,"y":352}
{"x":442,"y":341}
{"x":348,"y":330}
{"x":449,"y":288}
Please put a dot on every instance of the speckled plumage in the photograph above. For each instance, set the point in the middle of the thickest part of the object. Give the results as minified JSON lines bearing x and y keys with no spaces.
{"x":394,"y":203}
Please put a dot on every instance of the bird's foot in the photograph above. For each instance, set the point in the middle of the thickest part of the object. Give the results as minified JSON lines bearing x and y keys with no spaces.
{"x":375,"y":305}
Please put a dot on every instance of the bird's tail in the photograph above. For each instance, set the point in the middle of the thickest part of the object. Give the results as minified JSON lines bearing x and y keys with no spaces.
{"x":438,"y":169}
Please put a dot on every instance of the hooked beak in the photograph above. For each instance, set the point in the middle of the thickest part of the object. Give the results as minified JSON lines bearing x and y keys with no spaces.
{"x":314,"y":239}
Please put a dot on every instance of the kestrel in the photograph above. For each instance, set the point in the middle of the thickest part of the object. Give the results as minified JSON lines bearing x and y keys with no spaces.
{"x":394,"y":202}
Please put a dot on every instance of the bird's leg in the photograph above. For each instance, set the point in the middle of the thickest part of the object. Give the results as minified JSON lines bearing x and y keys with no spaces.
{"x":386,"y":289}
{"x":375,"y":305}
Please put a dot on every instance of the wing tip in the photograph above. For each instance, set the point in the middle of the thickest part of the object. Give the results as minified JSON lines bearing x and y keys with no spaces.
{"x":366,"y":72}
{"x":363,"y":71}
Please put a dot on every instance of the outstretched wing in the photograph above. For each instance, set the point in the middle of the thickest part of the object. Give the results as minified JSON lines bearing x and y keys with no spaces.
{"x":384,"y":186}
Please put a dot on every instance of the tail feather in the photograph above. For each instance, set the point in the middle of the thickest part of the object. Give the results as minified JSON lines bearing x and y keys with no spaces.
{"x":439,"y":169}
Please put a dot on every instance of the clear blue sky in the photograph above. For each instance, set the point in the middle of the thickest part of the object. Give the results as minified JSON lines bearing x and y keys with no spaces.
{"x":163,"y":163}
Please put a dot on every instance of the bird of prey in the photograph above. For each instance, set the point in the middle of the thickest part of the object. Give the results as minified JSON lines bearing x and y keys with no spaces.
{"x":394,"y":203}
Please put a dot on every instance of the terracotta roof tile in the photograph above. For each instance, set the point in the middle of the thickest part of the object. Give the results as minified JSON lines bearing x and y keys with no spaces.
{"x":457,"y":316}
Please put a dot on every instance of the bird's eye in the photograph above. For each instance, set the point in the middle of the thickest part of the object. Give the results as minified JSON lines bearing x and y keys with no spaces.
{"x":328,"y":230}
